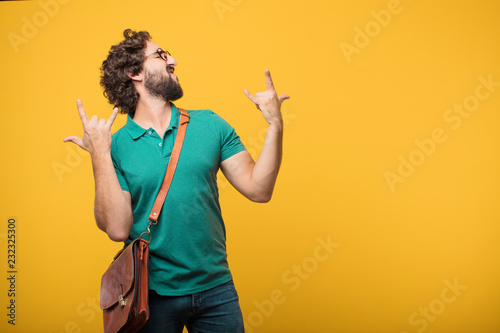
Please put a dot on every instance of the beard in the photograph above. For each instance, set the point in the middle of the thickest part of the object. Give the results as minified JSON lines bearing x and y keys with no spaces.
{"x":161,"y":86}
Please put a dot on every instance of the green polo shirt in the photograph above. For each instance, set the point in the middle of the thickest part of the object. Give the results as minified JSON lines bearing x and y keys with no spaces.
{"x":188,"y":245}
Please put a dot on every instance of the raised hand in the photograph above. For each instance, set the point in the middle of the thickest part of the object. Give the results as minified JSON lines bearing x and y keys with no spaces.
{"x":268,"y":102}
{"x":96,"y":132}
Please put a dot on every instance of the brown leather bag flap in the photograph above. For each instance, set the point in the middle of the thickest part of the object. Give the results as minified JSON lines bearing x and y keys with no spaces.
{"x":118,"y":280}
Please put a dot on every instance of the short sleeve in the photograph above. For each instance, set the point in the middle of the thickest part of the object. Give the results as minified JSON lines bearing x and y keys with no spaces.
{"x":230,"y":141}
{"x":119,"y":174}
{"x":121,"y":179}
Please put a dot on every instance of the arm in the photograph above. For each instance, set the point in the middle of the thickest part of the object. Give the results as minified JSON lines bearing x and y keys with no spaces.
{"x":256,"y":180}
{"x":112,"y":209}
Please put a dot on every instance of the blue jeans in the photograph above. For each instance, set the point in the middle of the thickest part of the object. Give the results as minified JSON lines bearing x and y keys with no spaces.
{"x":213,"y":310}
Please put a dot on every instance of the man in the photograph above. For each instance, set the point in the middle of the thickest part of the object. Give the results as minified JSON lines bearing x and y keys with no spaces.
{"x":190,"y":282}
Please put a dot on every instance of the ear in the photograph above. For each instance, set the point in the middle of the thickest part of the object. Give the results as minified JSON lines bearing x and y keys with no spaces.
{"x":137,"y":77}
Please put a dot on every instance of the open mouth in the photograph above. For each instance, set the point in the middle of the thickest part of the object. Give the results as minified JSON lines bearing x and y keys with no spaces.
{"x":170,"y":69}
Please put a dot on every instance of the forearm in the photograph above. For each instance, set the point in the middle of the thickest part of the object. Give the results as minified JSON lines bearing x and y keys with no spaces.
{"x":112,"y":209}
{"x":265,"y":170}
{"x":256,"y":180}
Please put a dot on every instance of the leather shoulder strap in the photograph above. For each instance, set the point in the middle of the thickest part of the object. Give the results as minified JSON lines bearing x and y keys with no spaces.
{"x":172,"y":164}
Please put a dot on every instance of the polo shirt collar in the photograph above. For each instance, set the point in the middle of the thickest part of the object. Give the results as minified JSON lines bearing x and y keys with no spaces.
{"x":136,"y":131}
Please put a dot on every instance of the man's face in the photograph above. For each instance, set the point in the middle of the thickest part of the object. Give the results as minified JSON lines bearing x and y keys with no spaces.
{"x":159,"y":78}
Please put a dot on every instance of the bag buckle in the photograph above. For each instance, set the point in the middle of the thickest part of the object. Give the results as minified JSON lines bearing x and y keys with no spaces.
{"x":148,"y":231}
{"x":121,"y":301}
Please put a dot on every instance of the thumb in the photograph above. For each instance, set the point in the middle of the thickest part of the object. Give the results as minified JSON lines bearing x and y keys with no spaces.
{"x":281,"y":98}
{"x":76,"y":140}
{"x":250,"y":96}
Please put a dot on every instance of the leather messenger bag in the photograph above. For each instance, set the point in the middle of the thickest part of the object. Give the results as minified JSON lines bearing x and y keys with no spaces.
{"x":124,"y":289}
{"x":124,"y":285}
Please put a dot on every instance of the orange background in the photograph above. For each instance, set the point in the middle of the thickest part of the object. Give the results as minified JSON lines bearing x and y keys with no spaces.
{"x":385,"y":217}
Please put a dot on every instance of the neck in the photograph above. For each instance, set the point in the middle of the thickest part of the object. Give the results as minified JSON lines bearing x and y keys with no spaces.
{"x":154,"y":113}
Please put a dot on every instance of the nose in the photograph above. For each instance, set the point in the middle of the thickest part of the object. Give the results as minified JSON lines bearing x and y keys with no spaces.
{"x":171,"y":61}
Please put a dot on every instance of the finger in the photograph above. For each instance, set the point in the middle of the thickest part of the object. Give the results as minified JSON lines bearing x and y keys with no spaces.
{"x":102,"y":123}
{"x":94,"y":120}
{"x":76,"y":140}
{"x":250,"y":96}
{"x":281,"y":98}
{"x":112,"y":118}
{"x":269,"y":80}
{"x":81,"y":112}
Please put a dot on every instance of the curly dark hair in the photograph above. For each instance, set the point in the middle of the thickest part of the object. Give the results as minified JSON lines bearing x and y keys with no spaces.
{"x":123,"y":58}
